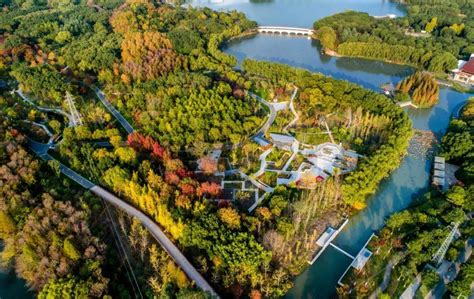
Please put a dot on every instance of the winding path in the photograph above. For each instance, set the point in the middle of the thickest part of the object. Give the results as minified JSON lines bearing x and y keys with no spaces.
{"x":41,"y":150}
{"x":407,"y":104}
{"x":45,"y":109}
{"x":256,"y":183}
{"x":271,"y":118}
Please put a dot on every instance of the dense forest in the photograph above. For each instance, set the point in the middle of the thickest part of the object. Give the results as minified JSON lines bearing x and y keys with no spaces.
{"x":411,"y":237}
{"x":59,"y":238}
{"x":162,"y":67}
{"x":433,"y":35}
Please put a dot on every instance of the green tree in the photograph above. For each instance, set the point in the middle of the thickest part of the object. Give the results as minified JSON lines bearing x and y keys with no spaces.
{"x":7,"y":226}
{"x":230,"y":217}
{"x":457,"y":195}
{"x":327,"y":37}
{"x":431,"y":25}
{"x":70,"y":250}
{"x":67,"y":288}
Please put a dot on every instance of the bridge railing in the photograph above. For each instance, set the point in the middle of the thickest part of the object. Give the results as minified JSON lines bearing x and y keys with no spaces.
{"x":284,"y":28}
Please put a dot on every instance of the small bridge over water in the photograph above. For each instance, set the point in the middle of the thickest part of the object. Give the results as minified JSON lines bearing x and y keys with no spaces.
{"x":407,"y":104}
{"x":285,"y":30}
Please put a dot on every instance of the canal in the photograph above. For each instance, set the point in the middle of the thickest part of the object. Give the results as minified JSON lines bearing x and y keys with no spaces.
{"x":408,"y":181}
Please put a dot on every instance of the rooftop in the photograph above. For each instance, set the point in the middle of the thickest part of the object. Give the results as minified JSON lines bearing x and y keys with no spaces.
{"x":326,"y":236}
{"x":468,"y":67}
{"x":360,"y":261}
{"x":282,"y":138}
{"x":260,"y":140}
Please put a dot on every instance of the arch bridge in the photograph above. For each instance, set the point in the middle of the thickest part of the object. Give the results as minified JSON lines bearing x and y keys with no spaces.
{"x":285,"y":30}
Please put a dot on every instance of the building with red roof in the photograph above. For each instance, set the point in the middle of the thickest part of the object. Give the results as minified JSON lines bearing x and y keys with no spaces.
{"x":465,"y":71}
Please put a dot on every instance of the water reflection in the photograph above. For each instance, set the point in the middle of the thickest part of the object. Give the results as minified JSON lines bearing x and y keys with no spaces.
{"x":304,"y":53}
{"x":300,"y":13}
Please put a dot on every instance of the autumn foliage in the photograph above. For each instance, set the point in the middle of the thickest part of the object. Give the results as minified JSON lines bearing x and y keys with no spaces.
{"x":175,"y":172}
{"x":148,"y":55}
{"x":142,"y":143}
{"x":209,"y":188}
{"x":208,"y":165}
{"x":422,"y":87}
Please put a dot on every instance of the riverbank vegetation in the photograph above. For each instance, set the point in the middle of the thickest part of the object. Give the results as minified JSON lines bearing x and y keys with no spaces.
{"x":421,"y":87}
{"x":432,"y":36}
{"x":405,"y":247}
{"x":408,"y":242}
{"x":458,"y":143}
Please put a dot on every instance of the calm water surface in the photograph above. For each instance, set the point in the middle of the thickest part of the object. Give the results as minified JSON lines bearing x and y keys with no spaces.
{"x":299,"y":13}
{"x":12,"y":286}
{"x":408,"y":181}
{"x":395,"y":193}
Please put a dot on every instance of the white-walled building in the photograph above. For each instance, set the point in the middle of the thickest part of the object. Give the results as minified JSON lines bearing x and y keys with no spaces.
{"x":465,"y":71}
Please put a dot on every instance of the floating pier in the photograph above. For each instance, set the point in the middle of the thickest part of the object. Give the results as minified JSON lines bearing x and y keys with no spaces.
{"x":407,"y":104}
{"x":359,"y":261}
{"x":325,"y":240}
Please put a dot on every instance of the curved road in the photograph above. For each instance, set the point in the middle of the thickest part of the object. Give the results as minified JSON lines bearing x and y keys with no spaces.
{"x":41,"y":150}
{"x":46,"y":109}
{"x":158,"y":234}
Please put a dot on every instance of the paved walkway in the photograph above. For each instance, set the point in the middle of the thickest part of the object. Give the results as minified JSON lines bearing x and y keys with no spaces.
{"x":125,"y":124}
{"x":158,"y":234}
{"x":407,"y":104}
{"x":271,"y":118}
{"x":45,"y":109}
{"x":386,"y":276}
{"x":41,"y":150}
{"x":293,"y":110}
{"x":410,"y":291}
{"x":263,"y":162}
{"x":256,"y":183}
{"x":45,"y":129}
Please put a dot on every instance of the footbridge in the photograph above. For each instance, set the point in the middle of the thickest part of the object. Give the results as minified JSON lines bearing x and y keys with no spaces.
{"x":407,"y":104}
{"x":285,"y":30}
